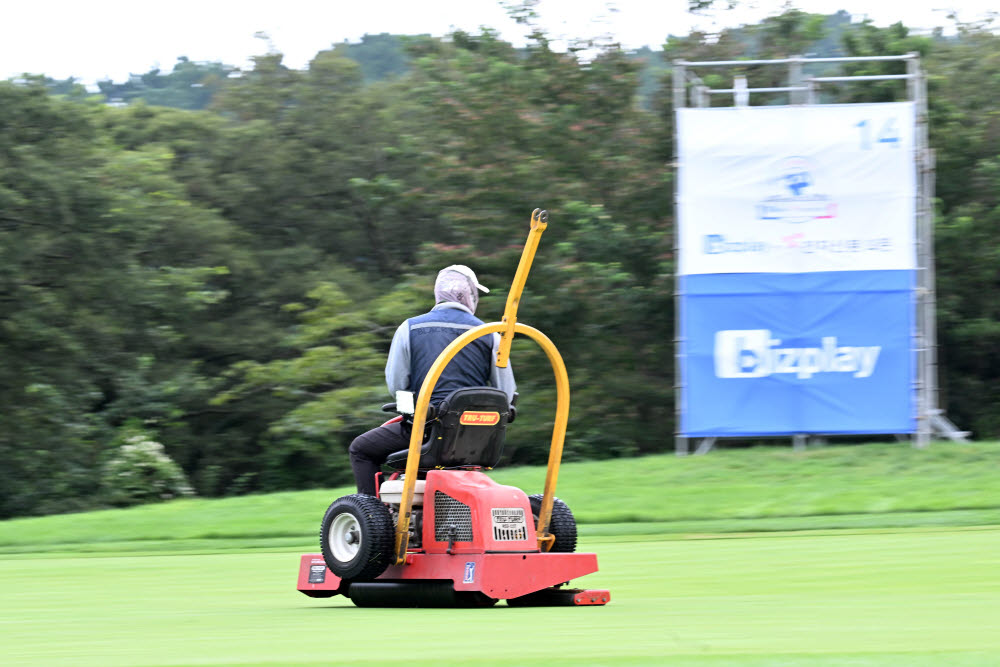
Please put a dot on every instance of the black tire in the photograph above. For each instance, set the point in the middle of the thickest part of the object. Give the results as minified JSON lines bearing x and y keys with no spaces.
{"x":357,"y":537}
{"x":562,"y":524}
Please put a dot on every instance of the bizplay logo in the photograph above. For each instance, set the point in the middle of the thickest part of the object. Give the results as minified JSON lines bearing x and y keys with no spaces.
{"x":752,"y":353}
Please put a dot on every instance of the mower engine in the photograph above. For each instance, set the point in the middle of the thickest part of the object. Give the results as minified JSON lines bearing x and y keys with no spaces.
{"x":390,"y":492}
{"x":464,"y":511}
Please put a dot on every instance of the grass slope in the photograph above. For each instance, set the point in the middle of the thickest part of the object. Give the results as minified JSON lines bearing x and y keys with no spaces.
{"x":757,"y":489}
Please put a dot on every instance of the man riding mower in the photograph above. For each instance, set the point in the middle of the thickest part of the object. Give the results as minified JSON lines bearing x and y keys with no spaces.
{"x":440,"y":532}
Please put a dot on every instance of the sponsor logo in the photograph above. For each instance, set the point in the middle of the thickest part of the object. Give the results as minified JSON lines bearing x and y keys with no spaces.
{"x":470,"y":572}
{"x":753,"y":353}
{"x":476,"y":418}
{"x":717,"y":244}
{"x":796,"y":200}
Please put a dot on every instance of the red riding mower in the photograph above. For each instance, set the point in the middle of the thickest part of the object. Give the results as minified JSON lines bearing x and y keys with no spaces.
{"x":441,"y":533}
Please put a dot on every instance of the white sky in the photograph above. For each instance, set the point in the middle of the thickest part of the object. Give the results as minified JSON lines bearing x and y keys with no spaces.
{"x":100,"y":39}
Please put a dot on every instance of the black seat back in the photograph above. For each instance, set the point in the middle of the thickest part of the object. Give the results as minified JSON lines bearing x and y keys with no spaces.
{"x":469,"y":431}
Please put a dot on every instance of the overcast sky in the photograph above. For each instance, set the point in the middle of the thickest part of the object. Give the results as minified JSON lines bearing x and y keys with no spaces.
{"x":100,"y":39}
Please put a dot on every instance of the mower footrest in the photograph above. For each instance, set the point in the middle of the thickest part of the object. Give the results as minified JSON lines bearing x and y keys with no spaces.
{"x":561,"y":597}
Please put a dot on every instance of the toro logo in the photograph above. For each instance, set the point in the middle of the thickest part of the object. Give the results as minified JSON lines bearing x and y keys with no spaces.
{"x":476,"y":418}
{"x":752,"y":353}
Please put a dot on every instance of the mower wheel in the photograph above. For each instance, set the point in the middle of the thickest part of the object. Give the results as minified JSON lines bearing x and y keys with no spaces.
{"x":357,"y":537}
{"x":562,"y":525}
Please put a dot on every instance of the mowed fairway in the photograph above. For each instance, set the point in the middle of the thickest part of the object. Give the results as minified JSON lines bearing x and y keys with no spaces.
{"x":921,"y":596}
{"x":873,"y":555}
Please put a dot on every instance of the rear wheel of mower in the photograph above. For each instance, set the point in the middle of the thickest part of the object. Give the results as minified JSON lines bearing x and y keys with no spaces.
{"x":562,"y":524}
{"x":357,"y":537}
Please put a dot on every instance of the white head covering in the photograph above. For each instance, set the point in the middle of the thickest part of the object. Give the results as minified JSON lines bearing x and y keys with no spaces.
{"x":458,"y":283}
{"x":468,"y":273}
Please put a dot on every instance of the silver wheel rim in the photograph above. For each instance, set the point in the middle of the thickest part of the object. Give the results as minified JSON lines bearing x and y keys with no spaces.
{"x":345,"y":537}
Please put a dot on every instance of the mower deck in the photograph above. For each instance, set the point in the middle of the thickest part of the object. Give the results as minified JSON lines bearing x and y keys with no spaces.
{"x":461,"y":580}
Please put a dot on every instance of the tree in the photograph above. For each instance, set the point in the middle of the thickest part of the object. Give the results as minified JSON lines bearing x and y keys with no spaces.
{"x":106,"y":271}
{"x":190,"y":85}
{"x":228,"y":279}
{"x":381,"y":56}
{"x":965,"y":134}
{"x":328,"y":382}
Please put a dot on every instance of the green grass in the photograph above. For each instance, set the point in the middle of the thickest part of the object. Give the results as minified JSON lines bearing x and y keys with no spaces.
{"x":874,"y":555}
{"x":746,"y":490}
{"x":912,"y":597}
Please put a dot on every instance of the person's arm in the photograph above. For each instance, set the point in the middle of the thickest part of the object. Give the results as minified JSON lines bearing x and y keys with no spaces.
{"x":397,"y":366}
{"x":502,"y":378}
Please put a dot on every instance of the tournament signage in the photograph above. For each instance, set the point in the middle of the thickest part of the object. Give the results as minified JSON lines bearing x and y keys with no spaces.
{"x":797,"y":269}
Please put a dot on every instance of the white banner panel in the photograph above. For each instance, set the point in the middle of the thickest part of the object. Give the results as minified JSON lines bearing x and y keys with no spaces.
{"x":797,"y":189}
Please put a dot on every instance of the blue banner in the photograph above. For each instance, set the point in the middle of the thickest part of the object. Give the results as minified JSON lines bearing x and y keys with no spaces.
{"x":785,"y":353}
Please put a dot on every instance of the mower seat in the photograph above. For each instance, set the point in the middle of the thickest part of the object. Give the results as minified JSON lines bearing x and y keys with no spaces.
{"x":468,"y":431}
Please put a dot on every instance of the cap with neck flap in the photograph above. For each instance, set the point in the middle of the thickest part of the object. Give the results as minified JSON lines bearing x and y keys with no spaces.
{"x":468,"y":273}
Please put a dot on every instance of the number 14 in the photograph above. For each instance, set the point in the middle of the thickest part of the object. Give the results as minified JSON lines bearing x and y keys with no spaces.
{"x":889,"y":134}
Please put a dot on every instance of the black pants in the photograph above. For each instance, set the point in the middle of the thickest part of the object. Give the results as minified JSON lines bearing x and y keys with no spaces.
{"x":370,"y":450}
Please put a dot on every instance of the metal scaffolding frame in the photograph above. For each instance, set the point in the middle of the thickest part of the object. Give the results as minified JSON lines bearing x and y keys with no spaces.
{"x":690,"y":90}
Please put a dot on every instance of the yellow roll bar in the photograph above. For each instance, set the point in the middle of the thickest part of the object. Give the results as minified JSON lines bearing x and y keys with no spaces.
{"x":506,"y":328}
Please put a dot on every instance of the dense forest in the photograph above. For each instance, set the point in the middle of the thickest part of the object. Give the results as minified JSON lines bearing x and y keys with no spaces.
{"x":201,"y":270}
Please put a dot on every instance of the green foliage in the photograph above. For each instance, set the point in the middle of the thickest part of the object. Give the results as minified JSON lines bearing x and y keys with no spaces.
{"x":109,"y":273}
{"x":230,"y":272}
{"x":139,"y":471}
{"x":965,"y":132}
{"x":695,"y":6}
{"x":381,"y":56}
{"x":190,"y":85}
{"x":327,"y":381}
{"x":867,"y":40}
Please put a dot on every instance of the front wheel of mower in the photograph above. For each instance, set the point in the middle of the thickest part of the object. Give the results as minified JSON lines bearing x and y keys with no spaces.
{"x":562,"y":524}
{"x":357,"y":537}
